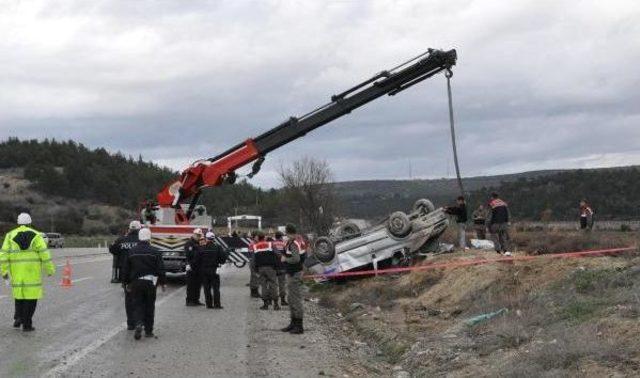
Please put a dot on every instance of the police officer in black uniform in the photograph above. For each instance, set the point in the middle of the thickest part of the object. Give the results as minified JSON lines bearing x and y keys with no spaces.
{"x":143,"y":271}
{"x":191,"y":248}
{"x":208,"y":259}
{"x":119,"y":249}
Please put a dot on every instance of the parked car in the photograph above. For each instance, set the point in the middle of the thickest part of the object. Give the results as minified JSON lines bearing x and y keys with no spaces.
{"x":45,"y":238}
{"x":54,"y":240}
{"x":394,"y":241}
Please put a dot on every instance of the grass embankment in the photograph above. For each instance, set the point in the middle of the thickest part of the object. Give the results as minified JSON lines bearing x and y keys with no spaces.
{"x":563,"y":316}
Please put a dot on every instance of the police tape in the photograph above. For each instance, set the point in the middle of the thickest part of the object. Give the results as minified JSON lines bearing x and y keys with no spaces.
{"x":478,"y":261}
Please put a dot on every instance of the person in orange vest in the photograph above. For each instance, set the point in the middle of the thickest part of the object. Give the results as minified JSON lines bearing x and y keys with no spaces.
{"x":295,"y":253}
{"x":586,"y":216}
{"x":265,"y":262}
{"x":279,"y":246}
{"x":23,"y":256}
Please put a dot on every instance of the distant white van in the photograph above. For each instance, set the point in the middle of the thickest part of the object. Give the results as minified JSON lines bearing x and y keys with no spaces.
{"x":54,"y":240}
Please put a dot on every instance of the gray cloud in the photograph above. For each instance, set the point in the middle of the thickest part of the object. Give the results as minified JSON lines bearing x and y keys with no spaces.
{"x":538,"y":85}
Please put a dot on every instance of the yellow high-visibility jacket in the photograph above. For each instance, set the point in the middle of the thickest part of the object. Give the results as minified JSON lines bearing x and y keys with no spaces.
{"x":23,"y":255}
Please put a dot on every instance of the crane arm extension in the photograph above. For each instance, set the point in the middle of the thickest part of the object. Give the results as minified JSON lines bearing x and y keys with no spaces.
{"x":214,"y":171}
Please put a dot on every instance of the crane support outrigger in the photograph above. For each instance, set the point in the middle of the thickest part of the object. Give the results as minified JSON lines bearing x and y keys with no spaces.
{"x":221,"y":168}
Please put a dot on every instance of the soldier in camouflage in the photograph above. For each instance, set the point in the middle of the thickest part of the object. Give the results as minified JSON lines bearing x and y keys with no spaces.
{"x":294,"y":257}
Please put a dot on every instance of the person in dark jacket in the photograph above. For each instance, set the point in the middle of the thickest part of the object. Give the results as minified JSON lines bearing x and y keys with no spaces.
{"x":120,"y":249}
{"x":498,"y":222}
{"x":208,"y":259}
{"x":586,"y":216}
{"x":460,"y":212}
{"x":193,"y":276}
{"x":142,"y":272}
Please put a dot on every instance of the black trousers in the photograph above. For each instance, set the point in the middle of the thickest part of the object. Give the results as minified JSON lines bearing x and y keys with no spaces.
{"x":24,"y":310}
{"x":193,"y":287}
{"x":128,"y":307}
{"x":143,"y":297}
{"x":211,"y":282}
{"x":115,"y":269}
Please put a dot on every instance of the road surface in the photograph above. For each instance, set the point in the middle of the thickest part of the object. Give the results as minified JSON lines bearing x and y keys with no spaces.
{"x":81,"y":332}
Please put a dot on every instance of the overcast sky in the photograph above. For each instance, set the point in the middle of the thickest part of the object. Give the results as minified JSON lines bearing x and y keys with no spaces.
{"x":538,"y":85}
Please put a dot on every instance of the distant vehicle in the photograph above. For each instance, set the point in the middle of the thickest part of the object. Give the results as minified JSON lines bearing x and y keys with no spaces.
{"x":54,"y":240}
{"x":394,"y":241}
{"x":45,"y":238}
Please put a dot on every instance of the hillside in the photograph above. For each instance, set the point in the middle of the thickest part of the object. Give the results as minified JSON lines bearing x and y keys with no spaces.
{"x":531,"y":318}
{"x":68,"y":178}
{"x":613,"y":192}
{"x":374,"y":198}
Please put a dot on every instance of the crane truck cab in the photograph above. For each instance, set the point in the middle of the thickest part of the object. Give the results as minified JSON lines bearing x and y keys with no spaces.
{"x":170,"y":238}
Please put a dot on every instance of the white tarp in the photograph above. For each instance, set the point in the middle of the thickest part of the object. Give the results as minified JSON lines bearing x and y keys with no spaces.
{"x":482,"y":244}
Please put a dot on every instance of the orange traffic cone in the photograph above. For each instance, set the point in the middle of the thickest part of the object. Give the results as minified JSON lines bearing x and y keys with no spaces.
{"x":66,"y":275}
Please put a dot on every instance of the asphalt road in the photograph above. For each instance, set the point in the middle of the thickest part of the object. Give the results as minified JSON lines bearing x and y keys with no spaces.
{"x":80,"y":331}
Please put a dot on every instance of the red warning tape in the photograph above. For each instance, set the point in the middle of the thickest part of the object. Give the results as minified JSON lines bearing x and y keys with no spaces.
{"x":458,"y":264}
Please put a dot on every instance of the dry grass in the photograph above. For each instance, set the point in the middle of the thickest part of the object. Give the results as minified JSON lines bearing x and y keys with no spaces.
{"x":566,"y":317}
{"x":541,"y":242}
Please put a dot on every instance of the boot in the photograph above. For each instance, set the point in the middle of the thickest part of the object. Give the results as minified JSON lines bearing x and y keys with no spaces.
{"x":17,"y":323}
{"x":255,"y":293}
{"x":283,"y":301}
{"x":138,"y":333}
{"x":297,"y":328}
{"x":265,"y":306}
{"x":289,"y":327}
{"x":276,"y":306}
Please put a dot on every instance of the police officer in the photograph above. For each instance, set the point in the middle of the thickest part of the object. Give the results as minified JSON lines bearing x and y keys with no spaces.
{"x":254,"y":278}
{"x":265,"y":262}
{"x":143,"y":271}
{"x":119,"y":249}
{"x":208,"y":259}
{"x":279,"y":247}
{"x":193,"y":278}
{"x":294,"y":257}
{"x":23,"y":255}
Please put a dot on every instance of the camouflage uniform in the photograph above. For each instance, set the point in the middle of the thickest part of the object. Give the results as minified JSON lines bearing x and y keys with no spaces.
{"x":294,"y":258}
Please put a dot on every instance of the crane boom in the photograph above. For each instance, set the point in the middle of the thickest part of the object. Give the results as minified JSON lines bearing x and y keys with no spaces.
{"x":221,"y":168}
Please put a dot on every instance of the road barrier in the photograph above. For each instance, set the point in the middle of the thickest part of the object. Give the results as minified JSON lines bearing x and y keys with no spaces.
{"x":480,"y":261}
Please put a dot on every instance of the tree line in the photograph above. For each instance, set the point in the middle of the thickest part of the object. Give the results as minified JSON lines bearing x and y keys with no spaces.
{"x":72,"y":170}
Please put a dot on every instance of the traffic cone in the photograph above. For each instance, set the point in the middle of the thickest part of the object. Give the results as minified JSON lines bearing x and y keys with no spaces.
{"x":66,"y":275}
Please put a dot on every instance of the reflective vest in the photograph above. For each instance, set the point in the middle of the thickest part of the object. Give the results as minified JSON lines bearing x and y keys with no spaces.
{"x":301,"y":246}
{"x":23,"y":255}
{"x":264,"y":255}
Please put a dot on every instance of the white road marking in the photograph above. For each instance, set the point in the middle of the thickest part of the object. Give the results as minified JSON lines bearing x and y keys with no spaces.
{"x":84,"y":262}
{"x":79,"y":355}
{"x":4,"y":296}
{"x":81,"y":279}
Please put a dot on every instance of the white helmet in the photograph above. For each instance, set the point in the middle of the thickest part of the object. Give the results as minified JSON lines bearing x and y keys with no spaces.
{"x":210,"y":235}
{"x":144,"y":234}
{"x":197,"y":231}
{"x":135,"y":225}
{"x":24,"y":218}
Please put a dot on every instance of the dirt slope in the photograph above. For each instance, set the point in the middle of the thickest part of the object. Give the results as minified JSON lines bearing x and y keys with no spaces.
{"x":562,"y":317}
